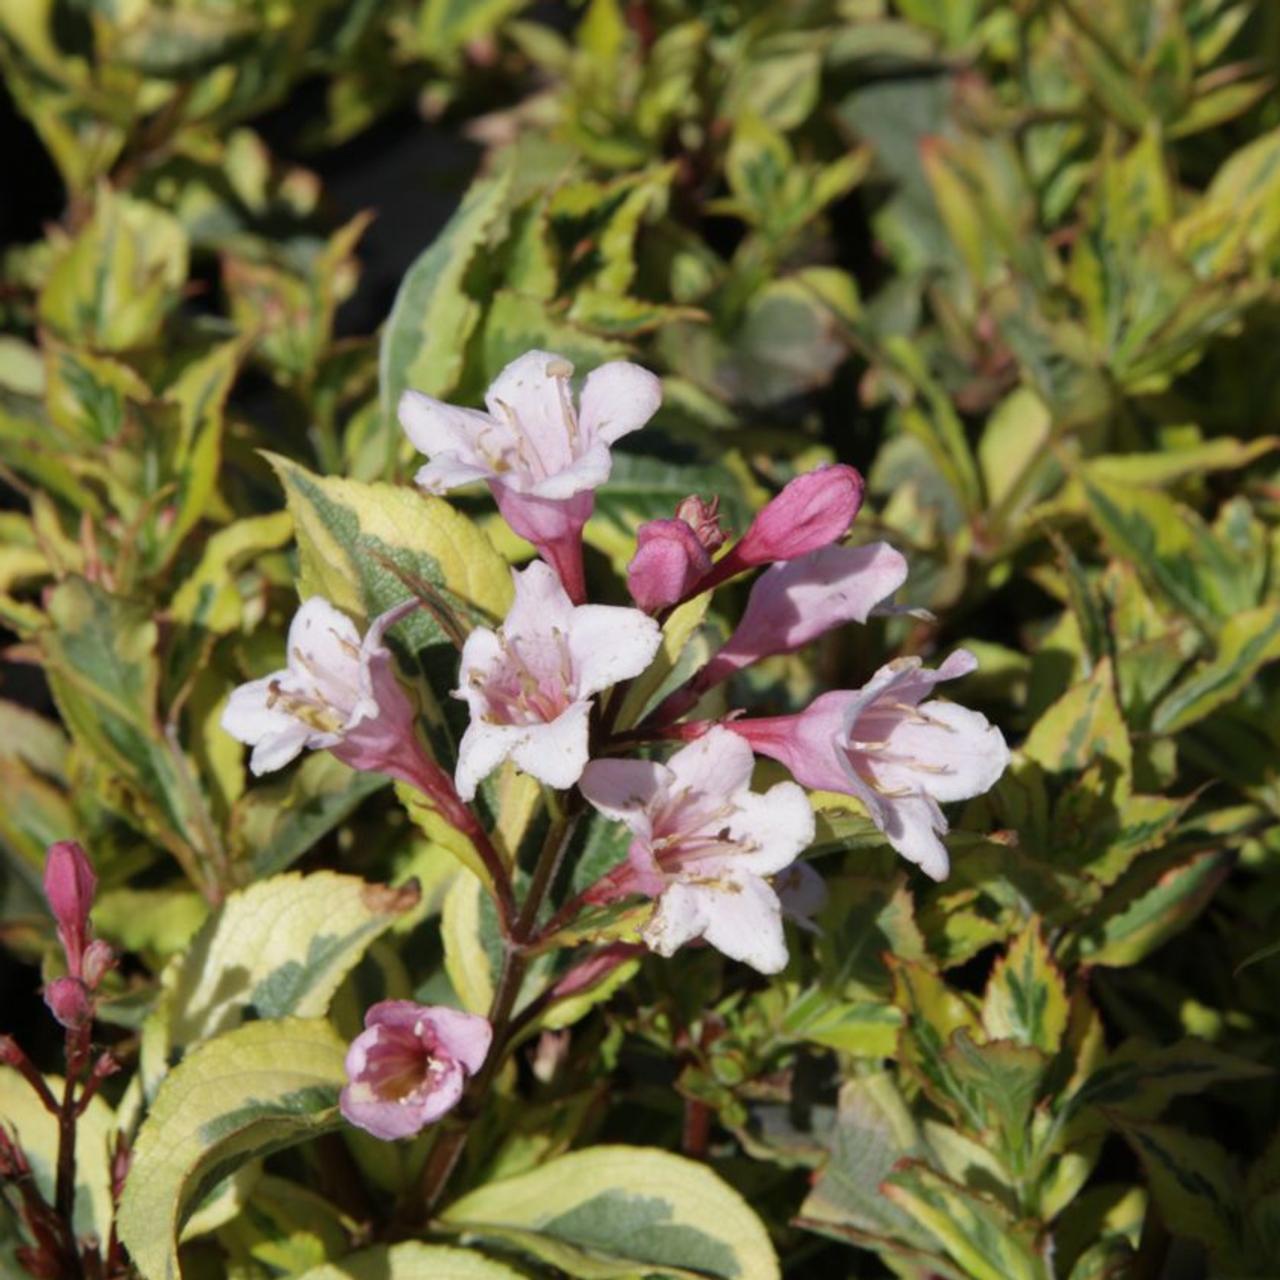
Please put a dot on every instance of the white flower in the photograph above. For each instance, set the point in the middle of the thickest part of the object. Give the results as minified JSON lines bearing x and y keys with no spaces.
{"x":532,"y":441}
{"x":529,"y":686}
{"x":704,"y":843}
{"x":338,"y":691}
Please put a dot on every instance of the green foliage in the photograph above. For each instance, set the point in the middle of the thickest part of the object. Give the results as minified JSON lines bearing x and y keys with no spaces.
{"x":1019,"y":263}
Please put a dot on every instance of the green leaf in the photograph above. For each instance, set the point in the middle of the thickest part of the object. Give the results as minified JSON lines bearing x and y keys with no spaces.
{"x":413,"y":1261}
{"x":1246,"y":643}
{"x":100,"y":656}
{"x":352,"y":537}
{"x":1168,"y":546}
{"x":613,"y":1211}
{"x":278,"y":821}
{"x":1147,"y":910}
{"x":1026,"y":998}
{"x":867,"y":1028}
{"x":424,"y":340}
{"x":1140,"y":1079}
{"x":874,"y":1130}
{"x":37,"y":1134}
{"x":1085,"y":724}
{"x":1194,"y":1184}
{"x":250,"y":1092}
{"x":111,"y":286}
{"x":278,"y":948}
{"x":1001,"y":1082}
{"x":973,"y":1228}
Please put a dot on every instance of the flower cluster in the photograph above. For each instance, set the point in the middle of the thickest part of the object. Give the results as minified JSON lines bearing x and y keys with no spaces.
{"x":545,"y":689}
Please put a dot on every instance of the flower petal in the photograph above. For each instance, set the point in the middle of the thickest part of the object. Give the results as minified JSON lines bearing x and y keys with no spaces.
{"x":745,"y":923}
{"x":483,"y":748}
{"x":532,"y":394}
{"x":775,"y":827}
{"x":608,"y":643}
{"x":540,"y":607}
{"x":447,"y":472}
{"x":680,"y":917}
{"x":465,"y":1037}
{"x":434,"y":427}
{"x":959,"y":753}
{"x":912,"y":824}
{"x":556,"y":752}
{"x":623,"y":789}
{"x":324,"y":653}
{"x":618,"y":398}
{"x":717,"y":765}
{"x":585,"y":472}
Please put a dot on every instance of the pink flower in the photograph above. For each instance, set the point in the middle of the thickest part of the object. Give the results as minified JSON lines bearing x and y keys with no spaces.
{"x":668,"y":564}
{"x":811,"y":512}
{"x":69,"y":886}
{"x":542,"y":459}
{"x":529,"y":686}
{"x":703,"y":843}
{"x":899,"y":755}
{"x":409,"y":1065}
{"x":793,"y":603}
{"x":338,"y":691}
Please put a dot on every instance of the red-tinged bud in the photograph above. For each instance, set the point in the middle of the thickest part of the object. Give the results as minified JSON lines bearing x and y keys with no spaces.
{"x":704,"y":519}
{"x":69,"y":1002}
{"x":10,"y":1053}
{"x":69,"y":886}
{"x":99,"y":959}
{"x":811,"y":512}
{"x":668,"y":564}
{"x":13,"y":1160}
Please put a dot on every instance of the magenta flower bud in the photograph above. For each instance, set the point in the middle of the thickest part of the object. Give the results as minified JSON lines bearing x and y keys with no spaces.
{"x":409,"y":1065}
{"x":669,"y":563}
{"x":69,"y":1002}
{"x":69,"y":885}
{"x":811,"y":512}
{"x":99,"y":958}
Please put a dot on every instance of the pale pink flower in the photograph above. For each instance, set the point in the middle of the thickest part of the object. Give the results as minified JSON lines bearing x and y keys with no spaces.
{"x":339,"y":691}
{"x":542,"y":458}
{"x":409,"y":1066}
{"x":794,"y":602}
{"x":703,"y":843}
{"x":899,"y":755}
{"x":529,"y":685}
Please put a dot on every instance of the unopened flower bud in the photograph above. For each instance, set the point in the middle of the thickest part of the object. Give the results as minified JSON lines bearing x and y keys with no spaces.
{"x":669,"y":562}
{"x":69,"y":1002}
{"x":811,"y":512}
{"x":99,"y":958}
{"x":704,"y":519}
{"x":69,"y":885}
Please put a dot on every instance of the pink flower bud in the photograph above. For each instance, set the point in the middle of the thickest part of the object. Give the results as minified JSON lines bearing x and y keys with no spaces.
{"x":811,"y":512}
{"x":704,"y":519}
{"x":69,"y":885}
{"x":99,"y":958}
{"x":669,"y":562}
{"x":68,"y":1001}
{"x":409,"y":1065}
